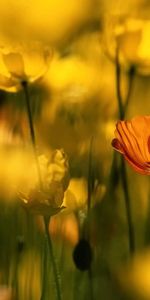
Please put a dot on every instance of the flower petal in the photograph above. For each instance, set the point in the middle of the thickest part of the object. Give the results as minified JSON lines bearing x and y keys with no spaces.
{"x":15,"y":65}
{"x":127,"y":141}
{"x":138,"y":168}
{"x":117,"y":145}
{"x":41,"y":208}
{"x":8,"y":84}
{"x":133,"y":141}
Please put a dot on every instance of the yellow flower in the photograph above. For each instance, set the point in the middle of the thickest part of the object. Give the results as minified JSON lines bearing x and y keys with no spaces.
{"x":48,"y":199}
{"x":22,"y":64}
{"x":76,"y":194}
{"x":44,"y":202}
{"x":134,"y":276}
{"x":132,"y":38}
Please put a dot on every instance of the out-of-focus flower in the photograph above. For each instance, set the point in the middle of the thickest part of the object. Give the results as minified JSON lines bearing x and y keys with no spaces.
{"x":58,"y":168}
{"x":22,"y":64}
{"x":65,"y":226}
{"x":132,"y":39}
{"x":5,"y":293}
{"x":14,"y":156}
{"x":48,"y":199}
{"x":13,"y":126}
{"x":76,"y":194}
{"x":133,"y":141}
{"x":44,"y":202}
{"x":14,"y":163}
{"x":134,"y":277}
{"x":7,"y":137}
{"x":48,"y":21}
{"x":64,"y":76}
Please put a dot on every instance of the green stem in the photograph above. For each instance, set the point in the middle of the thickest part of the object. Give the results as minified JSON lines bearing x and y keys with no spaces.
{"x":55,"y":270}
{"x":122,"y":112}
{"x":90,"y":177}
{"x":46,"y":221}
{"x":123,"y":168}
{"x":128,"y":208}
{"x":131,"y":80}
{"x":32,"y":133}
{"x":123,"y":108}
{"x":44,"y":271}
{"x":118,"y":86}
{"x":90,"y":190}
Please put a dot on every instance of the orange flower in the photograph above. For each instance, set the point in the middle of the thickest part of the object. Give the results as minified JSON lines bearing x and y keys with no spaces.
{"x":133,"y":141}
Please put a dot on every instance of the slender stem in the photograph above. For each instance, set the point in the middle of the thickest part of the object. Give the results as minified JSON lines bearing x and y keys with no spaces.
{"x":55,"y":270}
{"x":90,"y":185}
{"x":128,"y":208}
{"x":31,"y":127}
{"x":118,"y":86}
{"x":123,"y":168}
{"x":27,"y":98}
{"x":131,"y":80}
{"x":90,"y":176}
{"x":46,"y":220}
{"x":90,"y":190}
{"x":113,"y":176}
{"x":122,"y":111}
{"x":44,"y":271}
{"x":123,"y":108}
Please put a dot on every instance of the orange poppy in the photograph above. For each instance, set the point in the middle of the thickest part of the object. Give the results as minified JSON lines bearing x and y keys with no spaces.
{"x":132,"y":139}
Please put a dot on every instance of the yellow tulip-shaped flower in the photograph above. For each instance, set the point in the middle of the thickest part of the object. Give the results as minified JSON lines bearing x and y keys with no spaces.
{"x":22,"y":64}
{"x":48,"y":200}
{"x":131,"y":36}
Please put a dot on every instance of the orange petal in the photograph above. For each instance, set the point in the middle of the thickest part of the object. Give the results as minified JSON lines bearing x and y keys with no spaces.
{"x":133,"y":141}
{"x":138,"y":168}
{"x":117,"y":145}
{"x":127,"y":141}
